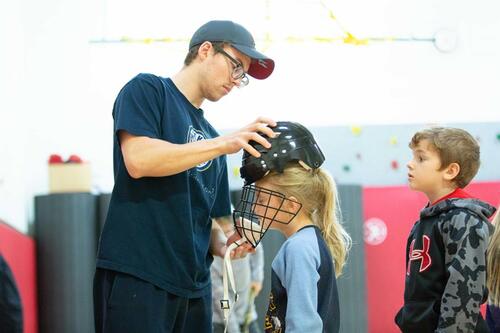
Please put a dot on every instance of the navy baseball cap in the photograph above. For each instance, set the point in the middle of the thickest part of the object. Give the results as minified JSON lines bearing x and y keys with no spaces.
{"x":239,"y":38}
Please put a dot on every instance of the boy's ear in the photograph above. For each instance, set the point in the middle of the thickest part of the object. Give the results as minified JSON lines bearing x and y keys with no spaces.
{"x":451,"y":171}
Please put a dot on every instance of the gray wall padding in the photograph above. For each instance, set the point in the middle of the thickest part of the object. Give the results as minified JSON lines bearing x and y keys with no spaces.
{"x":66,"y":249}
{"x":352,"y":282}
{"x":102,"y":211}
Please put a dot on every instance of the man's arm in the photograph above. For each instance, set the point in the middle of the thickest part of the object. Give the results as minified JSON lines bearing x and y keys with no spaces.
{"x":149,"y":157}
{"x":465,"y":239}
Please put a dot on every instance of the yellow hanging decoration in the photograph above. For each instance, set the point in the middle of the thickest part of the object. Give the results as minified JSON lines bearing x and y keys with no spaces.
{"x":291,"y":39}
{"x":356,"y":130}
{"x":350,"y":39}
{"x":267,"y":37}
{"x":267,"y":42}
{"x":346,"y":36}
{"x":325,"y":39}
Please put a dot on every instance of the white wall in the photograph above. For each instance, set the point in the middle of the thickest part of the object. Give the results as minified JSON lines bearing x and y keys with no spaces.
{"x":12,"y":134}
{"x":57,"y":89}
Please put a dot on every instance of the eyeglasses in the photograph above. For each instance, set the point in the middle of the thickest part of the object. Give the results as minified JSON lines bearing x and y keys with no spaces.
{"x":238,"y":71}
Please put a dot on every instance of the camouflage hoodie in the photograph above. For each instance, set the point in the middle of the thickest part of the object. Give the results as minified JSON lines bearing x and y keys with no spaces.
{"x":446,"y":268}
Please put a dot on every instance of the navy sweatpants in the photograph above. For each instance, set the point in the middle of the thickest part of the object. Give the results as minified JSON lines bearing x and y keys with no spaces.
{"x":126,"y":304}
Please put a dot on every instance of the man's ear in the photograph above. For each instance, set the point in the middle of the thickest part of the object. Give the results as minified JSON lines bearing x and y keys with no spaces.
{"x":451,"y":171}
{"x":205,"y":50}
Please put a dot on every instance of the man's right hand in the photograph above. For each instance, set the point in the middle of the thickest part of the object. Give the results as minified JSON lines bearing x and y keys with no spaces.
{"x":238,"y":140}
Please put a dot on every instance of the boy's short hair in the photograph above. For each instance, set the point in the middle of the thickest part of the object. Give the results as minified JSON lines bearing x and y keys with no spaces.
{"x":453,"y":145}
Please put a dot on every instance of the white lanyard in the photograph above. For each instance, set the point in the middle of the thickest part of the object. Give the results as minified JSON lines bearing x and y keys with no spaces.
{"x":227,"y":273}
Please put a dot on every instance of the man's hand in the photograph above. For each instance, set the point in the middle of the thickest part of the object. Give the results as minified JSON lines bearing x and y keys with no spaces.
{"x":219,"y":243}
{"x":234,"y":142}
{"x":242,"y":250}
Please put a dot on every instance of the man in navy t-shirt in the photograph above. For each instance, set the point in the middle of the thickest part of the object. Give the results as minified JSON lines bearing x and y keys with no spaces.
{"x":171,"y":183}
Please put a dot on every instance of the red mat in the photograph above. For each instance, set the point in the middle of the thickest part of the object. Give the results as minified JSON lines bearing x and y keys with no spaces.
{"x":19,"y":252}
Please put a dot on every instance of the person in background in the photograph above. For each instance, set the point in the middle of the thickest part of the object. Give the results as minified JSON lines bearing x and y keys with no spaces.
{"x":248,"y":276}
{"x":11,"y":311}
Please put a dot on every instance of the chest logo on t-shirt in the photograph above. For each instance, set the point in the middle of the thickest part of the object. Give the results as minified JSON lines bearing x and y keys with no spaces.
{"x":422,"y":255}
{"x":194,"y":135}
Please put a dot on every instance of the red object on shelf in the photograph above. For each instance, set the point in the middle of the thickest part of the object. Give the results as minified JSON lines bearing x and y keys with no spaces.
{"x":74,"y":159}
{"x":55,"y":158}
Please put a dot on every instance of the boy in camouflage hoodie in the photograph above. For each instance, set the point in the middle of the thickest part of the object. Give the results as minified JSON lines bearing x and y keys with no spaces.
{"x":446,"y":249}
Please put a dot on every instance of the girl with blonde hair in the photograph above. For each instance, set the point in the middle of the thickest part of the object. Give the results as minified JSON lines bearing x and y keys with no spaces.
{"x":286,"y":190}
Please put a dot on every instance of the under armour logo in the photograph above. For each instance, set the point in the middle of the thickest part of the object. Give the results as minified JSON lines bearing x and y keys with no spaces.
{"x":422,"y":255}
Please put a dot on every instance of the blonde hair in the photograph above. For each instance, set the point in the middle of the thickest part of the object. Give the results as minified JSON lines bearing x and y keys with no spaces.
{"x":317,"y":192}
{"x":493,"y":263}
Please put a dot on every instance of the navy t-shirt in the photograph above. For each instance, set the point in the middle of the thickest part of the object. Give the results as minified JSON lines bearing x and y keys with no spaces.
{"x":158,"y":228}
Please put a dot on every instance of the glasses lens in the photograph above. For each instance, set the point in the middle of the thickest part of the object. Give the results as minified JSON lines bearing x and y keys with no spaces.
{"x":238,"y":72}
{"x":244,"y":81}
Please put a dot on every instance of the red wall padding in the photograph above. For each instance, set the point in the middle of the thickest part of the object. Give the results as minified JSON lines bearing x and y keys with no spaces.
{"x":399,"y":208}
{"x":19,"y":252}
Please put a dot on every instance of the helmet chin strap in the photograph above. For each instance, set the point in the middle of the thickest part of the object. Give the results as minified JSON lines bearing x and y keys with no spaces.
{"x":228,"y":275}
{"x":305,"y":166}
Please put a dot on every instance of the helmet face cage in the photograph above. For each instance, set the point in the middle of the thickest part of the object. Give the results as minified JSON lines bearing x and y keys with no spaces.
{"x":257,"y":210}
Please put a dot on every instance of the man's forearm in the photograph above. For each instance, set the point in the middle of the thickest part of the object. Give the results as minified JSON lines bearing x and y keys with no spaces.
{"x":147,"y":157}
